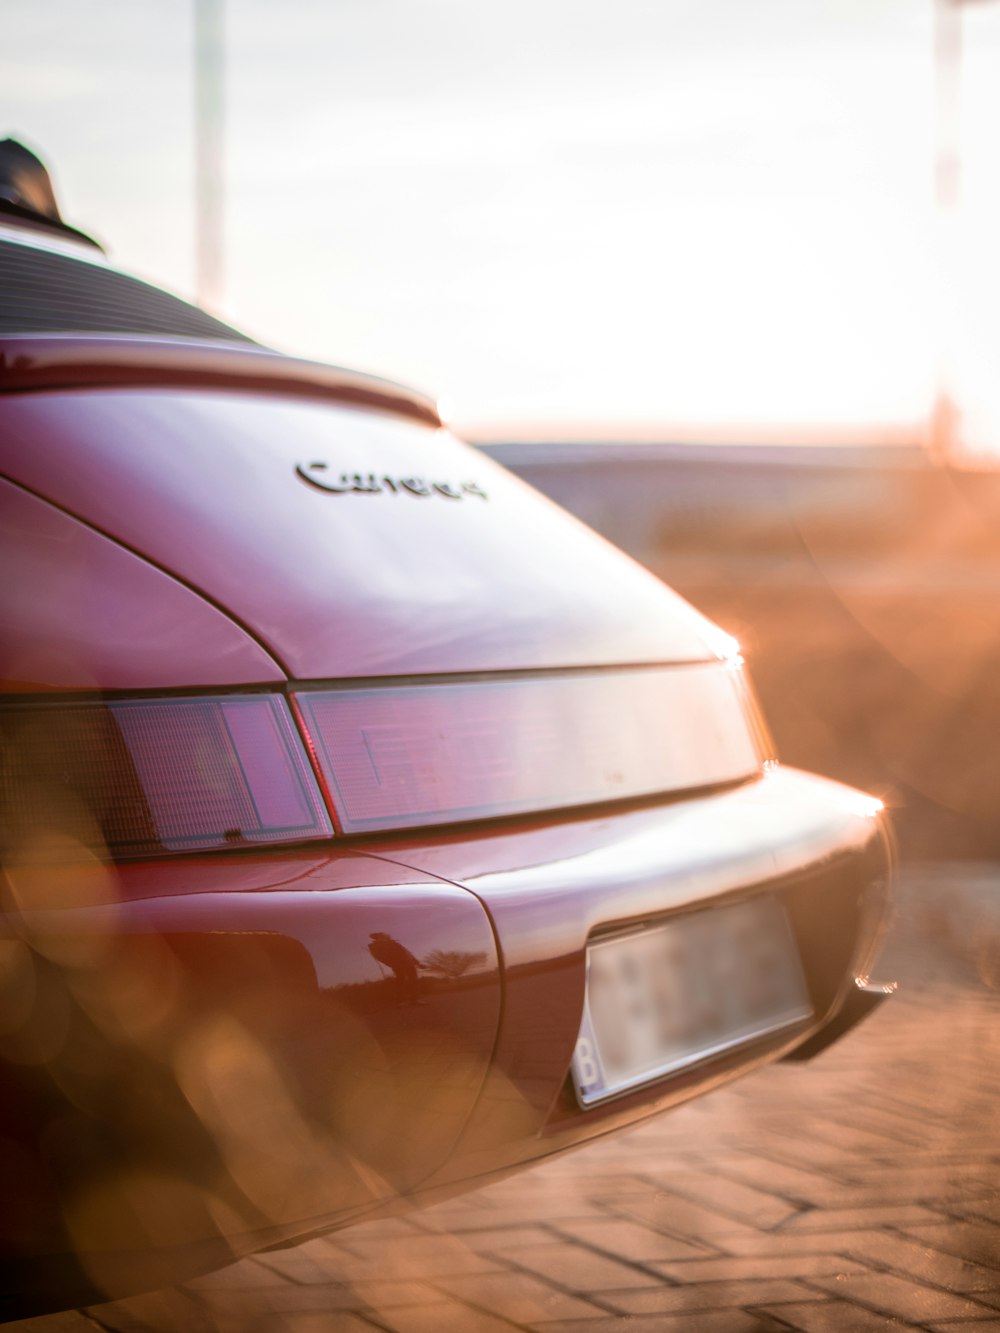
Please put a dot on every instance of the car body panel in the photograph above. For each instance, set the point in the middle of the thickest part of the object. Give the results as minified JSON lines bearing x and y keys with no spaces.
{"x":77,"y":611}
{"x":244,"y":1063}
{"x":353,"y":584}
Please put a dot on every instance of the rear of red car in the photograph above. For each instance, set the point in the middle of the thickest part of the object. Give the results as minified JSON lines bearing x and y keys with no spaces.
{"x":370,"y":827}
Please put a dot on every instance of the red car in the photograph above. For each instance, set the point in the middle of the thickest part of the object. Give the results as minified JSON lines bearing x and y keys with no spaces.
{"x":371,"y":828}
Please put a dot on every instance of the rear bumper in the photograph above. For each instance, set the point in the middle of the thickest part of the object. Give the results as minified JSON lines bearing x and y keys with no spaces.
{"x":259,"y":1029}
{"x":823,"y":848}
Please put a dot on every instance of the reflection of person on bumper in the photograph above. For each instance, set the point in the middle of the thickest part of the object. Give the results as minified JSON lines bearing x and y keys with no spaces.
{"x":402,"y":964}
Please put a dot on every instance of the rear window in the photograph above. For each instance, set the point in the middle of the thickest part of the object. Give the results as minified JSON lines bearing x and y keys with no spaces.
{"x":44,"y":292}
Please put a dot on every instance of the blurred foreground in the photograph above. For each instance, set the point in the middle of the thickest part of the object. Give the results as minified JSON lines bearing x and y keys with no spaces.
{"x":857,"y":1192}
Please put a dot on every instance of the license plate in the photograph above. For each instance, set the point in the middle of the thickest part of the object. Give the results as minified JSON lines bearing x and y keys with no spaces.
{"x":671,"y":995}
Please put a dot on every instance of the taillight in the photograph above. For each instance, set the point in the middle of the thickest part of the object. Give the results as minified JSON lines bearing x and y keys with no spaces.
{"x":142,"y":776}
{"x":398,"y":756}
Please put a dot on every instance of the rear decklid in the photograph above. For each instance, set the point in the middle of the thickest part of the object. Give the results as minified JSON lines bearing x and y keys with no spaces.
{"x":326,"y":513}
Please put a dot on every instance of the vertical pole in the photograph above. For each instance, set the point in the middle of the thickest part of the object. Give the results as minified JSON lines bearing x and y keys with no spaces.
{"x":947,"y":186}
{"x":208,"y":151}
{"x":947,"y":69}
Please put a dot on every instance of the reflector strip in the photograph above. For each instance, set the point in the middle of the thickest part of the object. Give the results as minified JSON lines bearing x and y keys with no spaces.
{"x":142,"y":776}
{"x":401,"y":756}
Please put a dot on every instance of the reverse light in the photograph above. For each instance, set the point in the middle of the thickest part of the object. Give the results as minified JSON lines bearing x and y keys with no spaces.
{"x":144,"y":776}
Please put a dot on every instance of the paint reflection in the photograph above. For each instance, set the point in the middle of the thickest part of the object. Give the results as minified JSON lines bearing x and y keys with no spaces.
{"x":389,"y":953}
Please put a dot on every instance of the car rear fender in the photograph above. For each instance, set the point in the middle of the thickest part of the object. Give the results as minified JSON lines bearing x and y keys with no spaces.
{"x":232,"y":1049}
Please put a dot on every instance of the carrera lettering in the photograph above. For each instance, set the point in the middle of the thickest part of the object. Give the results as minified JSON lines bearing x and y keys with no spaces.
{"x":318,"y":475}
{"x":415,"y":485}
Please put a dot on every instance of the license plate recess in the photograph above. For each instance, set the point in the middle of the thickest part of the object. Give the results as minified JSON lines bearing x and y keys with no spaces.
{"x":674,"y":993}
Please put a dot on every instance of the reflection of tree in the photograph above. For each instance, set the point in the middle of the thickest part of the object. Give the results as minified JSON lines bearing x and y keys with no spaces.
{"x":451,"y":963}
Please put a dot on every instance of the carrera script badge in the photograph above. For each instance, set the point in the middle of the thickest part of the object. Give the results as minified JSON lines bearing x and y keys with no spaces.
{"x":370,"y":483}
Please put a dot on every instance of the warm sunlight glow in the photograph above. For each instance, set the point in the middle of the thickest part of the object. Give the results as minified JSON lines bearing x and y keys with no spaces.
{"x":660,"y":217}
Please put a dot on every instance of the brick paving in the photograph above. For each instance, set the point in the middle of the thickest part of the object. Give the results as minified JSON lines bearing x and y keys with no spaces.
{"x":858,"y":1192}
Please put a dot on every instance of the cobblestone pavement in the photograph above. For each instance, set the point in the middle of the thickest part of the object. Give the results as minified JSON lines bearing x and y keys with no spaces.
{"x":860,"y":1191}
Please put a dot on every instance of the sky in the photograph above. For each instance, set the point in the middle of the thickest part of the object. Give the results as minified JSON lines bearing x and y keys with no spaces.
{"x":562,"y":216}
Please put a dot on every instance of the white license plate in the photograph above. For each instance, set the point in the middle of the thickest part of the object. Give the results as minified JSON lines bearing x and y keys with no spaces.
{"x":670,"y":995}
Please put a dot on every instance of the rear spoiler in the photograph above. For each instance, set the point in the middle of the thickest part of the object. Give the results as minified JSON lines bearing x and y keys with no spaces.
{"x":33,"y":362}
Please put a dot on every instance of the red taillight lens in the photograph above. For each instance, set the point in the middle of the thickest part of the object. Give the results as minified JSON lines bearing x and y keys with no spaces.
{"x":144,"y":776}
{"x":399,"y":756}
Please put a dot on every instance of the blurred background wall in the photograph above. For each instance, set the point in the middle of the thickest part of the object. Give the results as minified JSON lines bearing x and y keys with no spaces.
{"x":863,"y":584}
